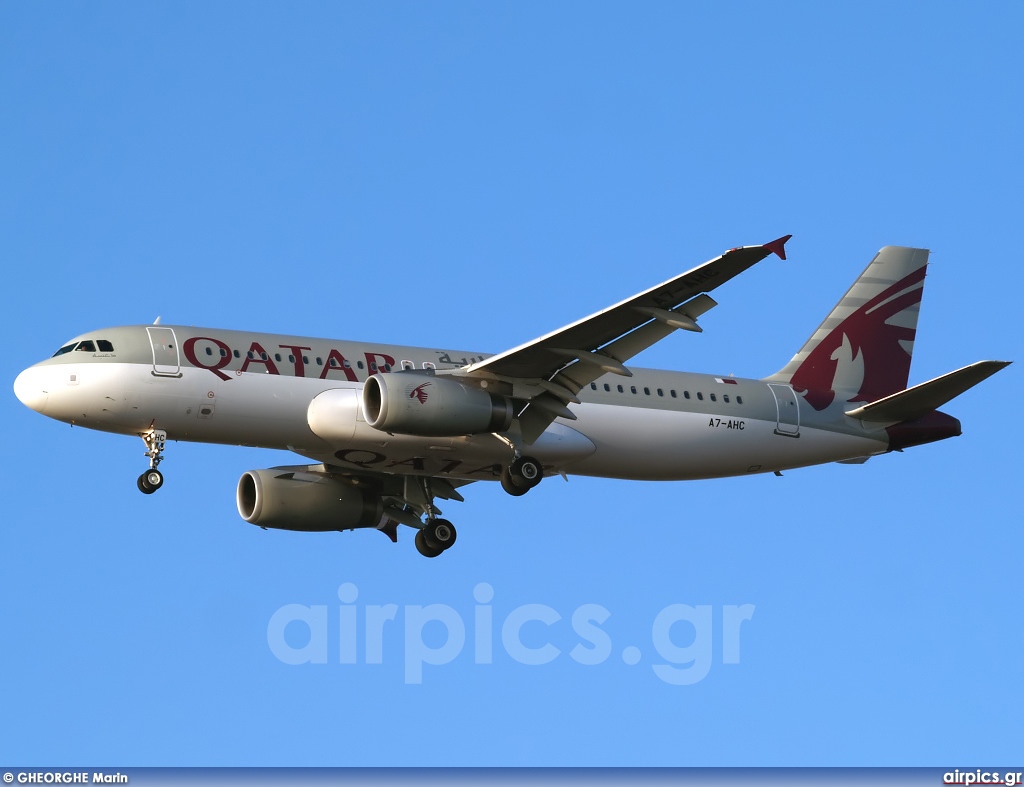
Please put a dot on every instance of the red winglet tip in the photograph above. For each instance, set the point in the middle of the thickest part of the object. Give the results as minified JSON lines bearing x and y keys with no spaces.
{"x":778,"y":246}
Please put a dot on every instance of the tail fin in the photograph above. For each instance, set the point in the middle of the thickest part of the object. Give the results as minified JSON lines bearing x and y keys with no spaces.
{"x":862,"y":351}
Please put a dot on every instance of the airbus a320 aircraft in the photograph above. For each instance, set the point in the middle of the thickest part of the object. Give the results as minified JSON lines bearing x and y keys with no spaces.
{"x":391,"y":429}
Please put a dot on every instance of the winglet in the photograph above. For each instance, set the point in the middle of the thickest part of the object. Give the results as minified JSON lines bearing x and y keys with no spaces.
{"x":778,"y":246}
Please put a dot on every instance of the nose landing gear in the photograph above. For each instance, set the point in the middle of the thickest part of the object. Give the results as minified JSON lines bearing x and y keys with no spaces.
{"x":153,"y":479}
{"x":150,"y":481}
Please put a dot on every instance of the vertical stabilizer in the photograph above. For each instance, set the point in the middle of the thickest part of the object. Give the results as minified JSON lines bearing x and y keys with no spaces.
{"x":862,"y":351}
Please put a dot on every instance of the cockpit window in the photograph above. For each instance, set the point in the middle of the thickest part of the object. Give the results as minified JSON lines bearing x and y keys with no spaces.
{"x":65,"y":349}
{"x":88,"y":346}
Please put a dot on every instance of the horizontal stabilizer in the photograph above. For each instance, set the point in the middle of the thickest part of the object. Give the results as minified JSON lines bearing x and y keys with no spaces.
{"x":922,"y":399}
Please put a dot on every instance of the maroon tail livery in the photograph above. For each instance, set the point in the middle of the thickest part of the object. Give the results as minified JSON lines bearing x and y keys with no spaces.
{"x":862,"y":351}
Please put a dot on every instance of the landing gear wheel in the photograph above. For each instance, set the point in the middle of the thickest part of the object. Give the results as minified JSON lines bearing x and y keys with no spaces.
{"x":526,"y":471}
{"x":153,"y":479}
{"x":439,"y":534}
{"x":521,"y":476}
{"x":509,"y":485}
{"x":150,"y":481}
{"x":424,"y":548}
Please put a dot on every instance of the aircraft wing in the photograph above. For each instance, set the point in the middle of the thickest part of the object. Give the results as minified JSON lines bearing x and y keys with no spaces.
{"x":561,"y":363}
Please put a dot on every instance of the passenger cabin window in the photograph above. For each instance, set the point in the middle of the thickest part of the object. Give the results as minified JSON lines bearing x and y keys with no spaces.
{"x":686,"y":394}
{"x":593,"y":386}
{"x":725,"y":398}
{"x":607,"y":387}
{"x":739,"y":400}
{"x":620,"y":388}
{"x":238,"y":354}
{"x":672,"y":393}
{"x":86,"y":347}
{"x":700,"y":396}
{"x":647,"y":391}
{"x":209,"y":350}
{"x":105,"y":346}
{"x":713,"y":399}
{"x":661,"y":392}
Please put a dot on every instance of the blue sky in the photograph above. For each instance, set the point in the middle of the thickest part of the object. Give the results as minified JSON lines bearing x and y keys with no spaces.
{"x":474,"y":175}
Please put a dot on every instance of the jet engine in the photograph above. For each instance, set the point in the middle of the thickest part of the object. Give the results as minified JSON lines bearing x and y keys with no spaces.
{"x":425,"y":406}
{"x":292,"y":498}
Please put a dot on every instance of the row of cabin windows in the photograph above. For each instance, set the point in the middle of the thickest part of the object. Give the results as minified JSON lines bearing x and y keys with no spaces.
{"x":672,"y":393}
{"x":305,"y":359}
{"x":87,"y":346}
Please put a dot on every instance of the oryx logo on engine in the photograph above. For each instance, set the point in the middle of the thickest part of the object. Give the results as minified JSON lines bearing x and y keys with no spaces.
{"x":418,"y":393}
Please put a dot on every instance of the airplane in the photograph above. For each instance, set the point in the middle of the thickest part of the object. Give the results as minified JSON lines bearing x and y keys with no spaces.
{"x":391,"y":429}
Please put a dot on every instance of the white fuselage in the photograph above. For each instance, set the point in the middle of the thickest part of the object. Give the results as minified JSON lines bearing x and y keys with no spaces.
{"x":651,"y":426}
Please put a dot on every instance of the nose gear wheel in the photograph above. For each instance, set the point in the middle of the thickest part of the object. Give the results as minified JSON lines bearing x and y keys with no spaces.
{"x":153,"y":479}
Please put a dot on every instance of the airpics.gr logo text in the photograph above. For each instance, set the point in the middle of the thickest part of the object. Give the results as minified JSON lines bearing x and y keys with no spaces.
{"x":436,"y":635}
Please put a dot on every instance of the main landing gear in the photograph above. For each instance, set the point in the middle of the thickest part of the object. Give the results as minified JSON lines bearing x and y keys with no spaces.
{"x":153,"y":479}
{"x":521,"y":476}
{"x":435,"y":537}
{"x":523,"y":473}
{"x":438,"y":535}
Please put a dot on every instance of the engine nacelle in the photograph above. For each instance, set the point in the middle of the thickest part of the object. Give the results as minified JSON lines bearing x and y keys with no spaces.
{"x":291,"y":498}
{"x":425,"y":406}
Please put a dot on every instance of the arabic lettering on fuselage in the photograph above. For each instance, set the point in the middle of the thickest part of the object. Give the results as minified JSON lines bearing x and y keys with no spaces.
{"x":216,"y":356}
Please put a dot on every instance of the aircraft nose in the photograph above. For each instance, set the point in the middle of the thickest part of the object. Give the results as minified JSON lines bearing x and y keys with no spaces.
{"x":28,"y":387}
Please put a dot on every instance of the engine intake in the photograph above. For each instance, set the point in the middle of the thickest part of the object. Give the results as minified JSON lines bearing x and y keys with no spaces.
{"x":425,"y":406}
{"x":291,"y":498}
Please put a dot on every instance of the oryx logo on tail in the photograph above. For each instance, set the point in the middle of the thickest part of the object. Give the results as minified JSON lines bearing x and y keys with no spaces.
{"x":862,"y":351}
